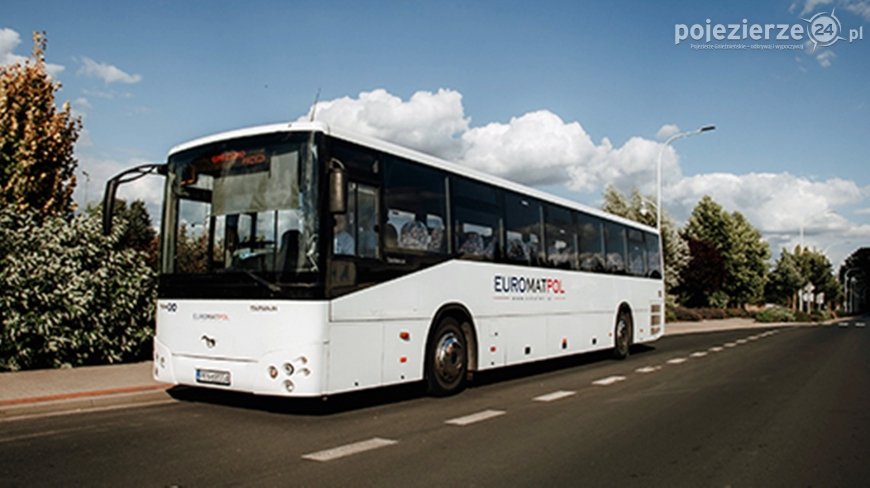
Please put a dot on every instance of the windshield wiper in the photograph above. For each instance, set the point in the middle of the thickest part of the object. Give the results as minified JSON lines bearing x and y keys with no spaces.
{"x":271,"y":286}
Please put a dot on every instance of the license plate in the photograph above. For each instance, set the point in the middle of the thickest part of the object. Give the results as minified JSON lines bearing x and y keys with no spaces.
{"x":213,"y":377}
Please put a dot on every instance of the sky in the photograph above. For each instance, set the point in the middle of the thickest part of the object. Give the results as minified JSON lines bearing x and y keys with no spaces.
{"x":565,"y":96}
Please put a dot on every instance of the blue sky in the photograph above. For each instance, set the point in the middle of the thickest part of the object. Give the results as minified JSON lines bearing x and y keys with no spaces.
{"x":497,"y":78}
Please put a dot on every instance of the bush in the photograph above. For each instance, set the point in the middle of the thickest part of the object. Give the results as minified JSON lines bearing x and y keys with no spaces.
{"x":821,"y":315}
{"x":71,"y":296}
{"x":685,"y":314}
{"x":775,"y":314}
{"x":737,"y":313}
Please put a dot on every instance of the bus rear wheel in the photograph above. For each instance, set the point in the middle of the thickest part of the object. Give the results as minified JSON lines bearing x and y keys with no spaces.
{"x":446,"y":359}
{"x":622,"y":335}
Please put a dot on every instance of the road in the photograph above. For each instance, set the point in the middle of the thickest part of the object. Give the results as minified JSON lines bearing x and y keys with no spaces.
{"x":776,"y":407}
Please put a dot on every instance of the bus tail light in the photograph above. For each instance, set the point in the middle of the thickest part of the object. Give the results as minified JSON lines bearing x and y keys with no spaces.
{"x":405,"y":335}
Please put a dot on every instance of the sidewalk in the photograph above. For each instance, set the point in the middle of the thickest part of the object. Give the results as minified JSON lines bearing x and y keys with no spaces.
{"x":57,"y":391}
{"x":48,"y":391}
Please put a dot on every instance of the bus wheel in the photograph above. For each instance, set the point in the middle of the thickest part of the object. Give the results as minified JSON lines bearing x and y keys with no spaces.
{"x":622,"y":335}
{"x":446,"y":359}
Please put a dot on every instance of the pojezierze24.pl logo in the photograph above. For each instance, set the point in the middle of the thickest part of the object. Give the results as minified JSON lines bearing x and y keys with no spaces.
{"x":822,"y":30}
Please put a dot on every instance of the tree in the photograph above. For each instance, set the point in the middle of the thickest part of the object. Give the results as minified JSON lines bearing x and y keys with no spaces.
{"x":785,"y":280}
{"x":37,"y":164}
{"x":747,"y":263}
{"x":675,"y":250}
{"x":740,"y":245}
{"x":859,"y":264}
{"x":703,"y":278}
{"x":817,"y":269}
{"x":71,"y":296}
{"x":139,"y":233}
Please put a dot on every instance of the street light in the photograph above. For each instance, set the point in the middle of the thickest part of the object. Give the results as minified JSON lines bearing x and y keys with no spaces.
{"x":848,"y":301}
{"x":87,"y":185}
{"x":667,"y":143}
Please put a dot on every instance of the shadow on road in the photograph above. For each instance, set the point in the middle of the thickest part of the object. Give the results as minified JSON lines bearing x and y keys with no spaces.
{"x":360,"y":400}
{"x":551,"y":365}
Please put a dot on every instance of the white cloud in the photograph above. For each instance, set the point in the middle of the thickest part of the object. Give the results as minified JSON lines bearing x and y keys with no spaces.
{"x":107,"y":72}
{"x":666,"y":131}
{"x":9,"y":42}
{"x":811,"y":5}
{"x":825,"y":58}
{"x":774,"y":202}
{"x":428,"y":121}
{"x":861,"y":7}
{"x":81,"y":106}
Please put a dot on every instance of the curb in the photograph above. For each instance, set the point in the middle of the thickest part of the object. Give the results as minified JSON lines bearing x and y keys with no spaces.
{"x":20,"y":408}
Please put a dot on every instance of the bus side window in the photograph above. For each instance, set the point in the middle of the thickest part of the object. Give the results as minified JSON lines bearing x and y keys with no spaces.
{"x":477,"y":219}
{"x":559,"y":237}
{"x":522,"y":229}
{"x":589,"y":232}
{"x":614,"y":245}
{"x":415,"y":200}
{"x":636,"y":253}
{"x":366,"y":222}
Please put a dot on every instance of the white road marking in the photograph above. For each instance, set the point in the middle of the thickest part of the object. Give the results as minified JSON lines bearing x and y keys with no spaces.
{"x":648,"y":369}
{"x":349,"y":449}
{"x":754,"y":338}
{"x":698,"y":354}
{"x":730,"y":344}
{"x":715,"y":349}
{"x":859,"y":324}
{"x":741,"y":341}
{"x":475,"y":417}
{"x":677,"y":360}
{"x":846,"y":324}
{"x":556,"y":395}
{"x":609,"y":380}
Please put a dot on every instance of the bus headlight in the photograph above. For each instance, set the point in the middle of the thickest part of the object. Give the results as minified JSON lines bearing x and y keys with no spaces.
{"x":289,"y":369}
{"x":289,"y":386}
{"x":273,"y":372}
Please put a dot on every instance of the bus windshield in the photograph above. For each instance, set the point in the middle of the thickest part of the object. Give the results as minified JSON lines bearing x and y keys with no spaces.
{"x":244,"y":206}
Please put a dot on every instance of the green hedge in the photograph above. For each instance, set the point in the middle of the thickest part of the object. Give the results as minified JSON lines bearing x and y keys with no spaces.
{"x":775,"y":314}
{"x":71,"y":296}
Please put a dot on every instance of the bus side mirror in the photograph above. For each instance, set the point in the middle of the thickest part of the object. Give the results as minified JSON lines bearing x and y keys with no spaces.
{"x":126,"y":176}
{"x":337,"y":187}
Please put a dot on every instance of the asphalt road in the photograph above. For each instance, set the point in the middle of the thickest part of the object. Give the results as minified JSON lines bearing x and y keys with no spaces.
{"x":784,"y":407}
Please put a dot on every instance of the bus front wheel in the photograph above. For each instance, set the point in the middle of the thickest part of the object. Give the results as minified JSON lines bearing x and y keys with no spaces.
{"x":446,"y":359}
{"x":622,"y":335}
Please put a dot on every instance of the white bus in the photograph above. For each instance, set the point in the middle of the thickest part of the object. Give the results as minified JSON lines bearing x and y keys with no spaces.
{"x":303,"y":260}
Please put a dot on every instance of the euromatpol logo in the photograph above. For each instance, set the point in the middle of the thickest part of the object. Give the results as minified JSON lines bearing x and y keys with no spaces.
{"x":821,"y":30}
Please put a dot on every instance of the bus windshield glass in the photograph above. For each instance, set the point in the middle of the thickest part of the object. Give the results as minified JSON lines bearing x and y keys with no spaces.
{"x":245,"y":206}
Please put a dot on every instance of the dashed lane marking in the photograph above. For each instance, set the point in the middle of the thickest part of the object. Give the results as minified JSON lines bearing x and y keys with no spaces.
{"x":475,"y":417}
{"x":677,"y":360}
{"x":648,"y":369}
{"x":609,"y":380}
{"x":556,"y":395}
{"x":349,"y":449}
{"x":741,"y":341}
{"x":715,"y":349}
{"x":859,"y":324}
{"x":698,"y":354}
{"x":730,"y":344}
